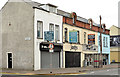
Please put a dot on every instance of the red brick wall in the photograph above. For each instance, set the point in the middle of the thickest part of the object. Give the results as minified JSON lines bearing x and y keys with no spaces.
{"x":83,"y":25}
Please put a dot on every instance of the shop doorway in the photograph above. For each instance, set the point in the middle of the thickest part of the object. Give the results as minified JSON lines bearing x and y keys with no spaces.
{"x":9,"y":60}
{"x":72,"y":59}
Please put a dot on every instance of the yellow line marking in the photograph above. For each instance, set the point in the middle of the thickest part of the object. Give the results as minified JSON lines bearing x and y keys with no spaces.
{"x":42,"y":74}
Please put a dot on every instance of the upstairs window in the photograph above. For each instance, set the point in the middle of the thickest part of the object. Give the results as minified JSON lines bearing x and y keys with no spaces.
{"x":78,"y":37}
{"x":104,"y":41}
{"x":66,"y":34}
{"x":39,"y":29}
{"x":51,"y":27}
{"x":52,"y":9}
{"x":57,"y":35}
{"x":84,"y":37}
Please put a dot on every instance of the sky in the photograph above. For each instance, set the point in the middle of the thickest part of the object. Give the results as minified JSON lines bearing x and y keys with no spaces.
{"x":108,"y":9}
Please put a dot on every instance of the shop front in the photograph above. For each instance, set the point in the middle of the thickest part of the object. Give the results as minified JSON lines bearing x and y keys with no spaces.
{"x":91,"y":59}
{"x":50,"y":59}
{"x":72,"y":59}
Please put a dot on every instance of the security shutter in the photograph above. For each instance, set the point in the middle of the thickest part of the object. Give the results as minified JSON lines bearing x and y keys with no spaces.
{"x":49,"y":59}
{"x":72,"y":59}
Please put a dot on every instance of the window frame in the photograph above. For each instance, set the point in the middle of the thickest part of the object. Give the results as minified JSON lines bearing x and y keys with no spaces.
{"x":58,"y":33}
{"x":104,"y":42}
{"x":37,"y":30}
{"x":49,"y":26}
{"x":78,"y":36}
{"x":84,"y":37}
{"x":66,"y":33}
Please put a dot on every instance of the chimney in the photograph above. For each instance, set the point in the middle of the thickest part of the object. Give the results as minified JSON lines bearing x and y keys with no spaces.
{"x":104,"y":27}
{"x":74,"y":16}
{"x":90,"y":21}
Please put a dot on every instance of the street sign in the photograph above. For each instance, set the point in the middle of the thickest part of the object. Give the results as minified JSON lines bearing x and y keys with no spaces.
{"x":49,"y":35}
{"x":51,"y":46}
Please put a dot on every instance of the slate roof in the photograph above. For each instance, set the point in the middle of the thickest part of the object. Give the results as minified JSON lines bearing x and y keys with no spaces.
{"x":59,"y":12}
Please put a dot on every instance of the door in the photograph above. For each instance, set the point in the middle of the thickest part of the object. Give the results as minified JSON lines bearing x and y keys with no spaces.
{"x":9,"y":60}
{"x":49,"y":59}
{"x":72,"y":59}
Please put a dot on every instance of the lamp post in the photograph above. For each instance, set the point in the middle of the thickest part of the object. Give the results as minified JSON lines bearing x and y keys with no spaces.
{"x":101,"y":65}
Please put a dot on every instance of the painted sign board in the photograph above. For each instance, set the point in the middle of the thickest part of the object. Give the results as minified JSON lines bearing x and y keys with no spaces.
{"x":49,"y":35}
{"x":73,"y":36}
{"x":91,"y":38}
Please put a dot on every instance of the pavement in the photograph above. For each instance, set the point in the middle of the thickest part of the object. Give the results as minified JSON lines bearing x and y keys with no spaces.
{"x":58,"y":71}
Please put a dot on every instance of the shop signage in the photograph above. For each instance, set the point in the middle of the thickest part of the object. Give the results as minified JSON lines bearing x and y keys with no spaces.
{"x":27,"y":38}
{"x":91,"y":47}
{"x":73,"y":36}
{"x":115,"y":40}
{"x":91,"y":38}
{"x":51,"y":46}
{"x":74,"y":47}
{"x":44,"y":46}
{"x":48,"y":47}
{"x":49,"y":35}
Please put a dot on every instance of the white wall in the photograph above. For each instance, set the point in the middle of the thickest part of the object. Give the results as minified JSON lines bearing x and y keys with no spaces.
{"x":46,"y":18}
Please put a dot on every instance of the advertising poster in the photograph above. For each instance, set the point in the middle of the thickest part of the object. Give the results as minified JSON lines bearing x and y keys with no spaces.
{"x":115,"y":40}
{"x":73,"y":36}
{"x":91,"y":39}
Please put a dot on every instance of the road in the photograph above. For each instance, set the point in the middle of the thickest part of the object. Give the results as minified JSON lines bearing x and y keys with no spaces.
{"x":114,"y":71}
{"x":99,"y":73}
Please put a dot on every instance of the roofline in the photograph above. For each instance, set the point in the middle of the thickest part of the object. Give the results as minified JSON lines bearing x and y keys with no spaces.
{"x":116,"y":26}
{"x":51,"y":5}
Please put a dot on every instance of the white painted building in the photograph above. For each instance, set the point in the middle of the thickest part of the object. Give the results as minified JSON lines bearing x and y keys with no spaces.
{"x":47,"y":19}
{"x":24,"y":24}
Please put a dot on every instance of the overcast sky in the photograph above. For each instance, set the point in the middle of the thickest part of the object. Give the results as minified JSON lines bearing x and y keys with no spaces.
{"x":108,"y":9}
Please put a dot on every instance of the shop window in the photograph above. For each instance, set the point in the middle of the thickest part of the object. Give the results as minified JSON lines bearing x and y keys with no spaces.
{"x":39,"y":29}
{"x":66,"y":34}
{"x":57,"y":34}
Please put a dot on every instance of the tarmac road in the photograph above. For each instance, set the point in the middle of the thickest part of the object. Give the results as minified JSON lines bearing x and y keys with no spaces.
{"x":61,"y":76}
{"x":114,"y":71}
{"x":110,"y":72}
{"x":99,"y":73}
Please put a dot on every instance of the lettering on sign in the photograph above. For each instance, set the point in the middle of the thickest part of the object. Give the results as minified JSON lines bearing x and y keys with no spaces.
{"x":27,"y":38}
{"x":74,"y":47}
{"x":90,"y":47}
{"x":44,"y":46}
